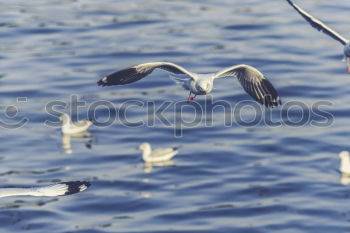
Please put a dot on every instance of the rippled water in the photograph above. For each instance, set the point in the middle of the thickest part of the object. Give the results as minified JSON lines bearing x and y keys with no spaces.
{"x":225,"y":179}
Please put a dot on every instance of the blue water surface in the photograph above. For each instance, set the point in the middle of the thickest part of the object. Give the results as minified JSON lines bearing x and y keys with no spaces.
{"x":252,"y":170}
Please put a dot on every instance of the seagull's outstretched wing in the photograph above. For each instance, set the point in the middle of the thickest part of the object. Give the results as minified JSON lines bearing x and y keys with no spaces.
{"x":318,"y":24}
{"x":137,"y":72}
{"x":253,"y":82}
{"x":64,"y":188}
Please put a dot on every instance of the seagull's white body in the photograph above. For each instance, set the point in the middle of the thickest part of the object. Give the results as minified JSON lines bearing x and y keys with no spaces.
{"x":325,"y":29}
{"x":64,"y":188}
{"x":251,"y":79}
{"x":344,"y":162}
{"x":158,"y":155}
{"x":69,"y":127}
{"x":205,"y":86}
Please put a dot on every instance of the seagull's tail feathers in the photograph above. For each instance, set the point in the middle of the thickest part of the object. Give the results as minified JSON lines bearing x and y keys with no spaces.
{"x":177,"y":147}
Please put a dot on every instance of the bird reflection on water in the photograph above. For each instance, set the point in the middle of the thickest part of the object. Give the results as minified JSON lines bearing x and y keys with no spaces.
{"x":148,"y":168}
{"x":344,"y":167}
{"x":85,"y":137}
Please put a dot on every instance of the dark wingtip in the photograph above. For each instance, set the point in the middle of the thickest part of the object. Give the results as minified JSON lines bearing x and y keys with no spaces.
{"x":102,"y":82}
{"x":271,"y":102}
{"x":272,"y":99}
{"x":76,"y":186}
{"x":296,"y":7}
{"x":290,"y":3}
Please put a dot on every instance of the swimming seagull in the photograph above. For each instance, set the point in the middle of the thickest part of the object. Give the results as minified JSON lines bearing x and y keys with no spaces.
{"x":344,"y":162}
{"x":325,"y":29}
{"x":69,"y":127}
{"x":158,"y":155}
{"x":60,"y":189}
{"x":251,"y":79}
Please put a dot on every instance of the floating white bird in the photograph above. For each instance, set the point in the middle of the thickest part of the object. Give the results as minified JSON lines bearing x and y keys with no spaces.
{"x":327,"y":30}
{"x":60,"y":189}
{"x":158,"y":155}
{"x":251,"y":79}
{"x":69,"y":127}
{"x":344,"y":162}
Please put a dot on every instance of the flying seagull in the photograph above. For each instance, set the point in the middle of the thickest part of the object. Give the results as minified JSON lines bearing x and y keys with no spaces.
{"x":158,"y":155}
{"x":251,"y":79}
{"x":325,"y":29}
{"x":60,"y":189}
{"x":69,"y":127}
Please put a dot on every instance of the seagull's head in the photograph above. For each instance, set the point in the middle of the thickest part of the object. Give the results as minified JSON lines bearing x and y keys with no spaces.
{"x":344,"y":155}
{"x":204,"y":86}
{"x":144,"y":146}
{"x":64,"y":118}
{"x":347,"y":56}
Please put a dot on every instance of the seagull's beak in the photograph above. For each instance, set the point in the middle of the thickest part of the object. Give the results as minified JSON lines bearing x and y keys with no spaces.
{"x":207,"y":90}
